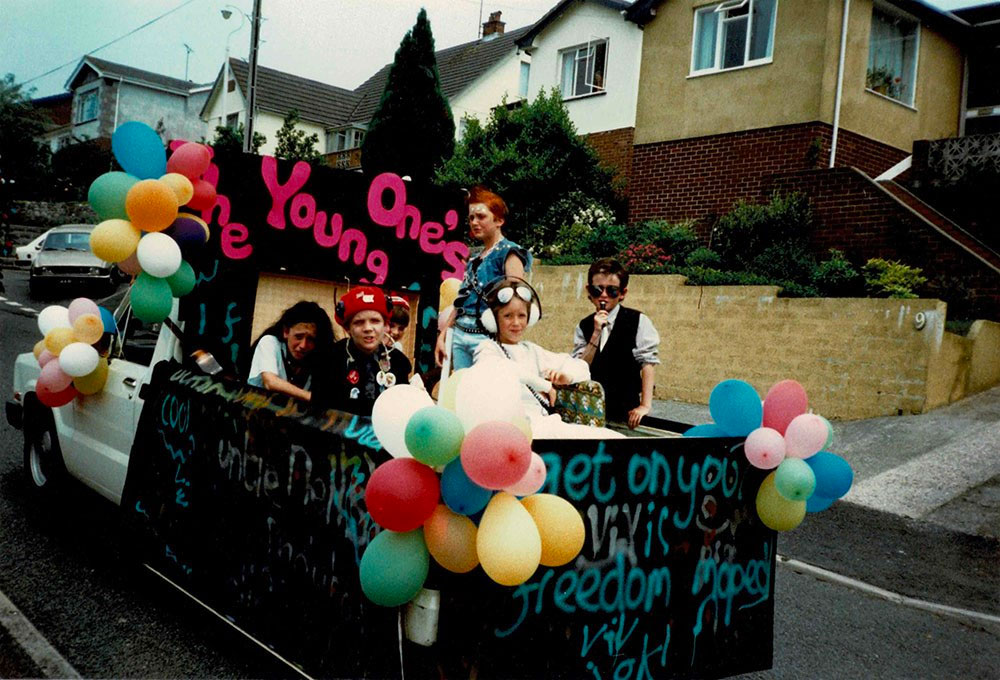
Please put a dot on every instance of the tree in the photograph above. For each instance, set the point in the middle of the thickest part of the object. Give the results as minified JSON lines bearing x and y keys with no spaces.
{"x":24,"y":160}
{"x":230,"y":140}
{"x":294,"y":144}
{"x":532,"y":156}
{"x":412,"y":131}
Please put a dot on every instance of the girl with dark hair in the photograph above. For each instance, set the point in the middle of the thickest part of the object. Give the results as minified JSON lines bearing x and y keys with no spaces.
{"x":288,"y":353}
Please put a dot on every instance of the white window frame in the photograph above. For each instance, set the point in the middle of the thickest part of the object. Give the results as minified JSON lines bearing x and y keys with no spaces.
{"x":722,"y":8}
{"x":524,"y":77}
{"x":81,"y":98}
{"x":588,"y":79}
{"x":914,"y":68}
{"x":344,"y":139}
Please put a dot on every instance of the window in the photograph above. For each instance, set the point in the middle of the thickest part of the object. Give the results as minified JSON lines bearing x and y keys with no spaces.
{"x":233,"y":120}
{"x":584,"y":69}
{"x":892,"y":56}
{"x":733,"y":34}
{"x":342,"y":140}
{"x":86,"y":106}
{"x":523,"y":85}
{"x":231,"y":87}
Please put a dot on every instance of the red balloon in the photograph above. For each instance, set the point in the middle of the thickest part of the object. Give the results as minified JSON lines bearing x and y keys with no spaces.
{"x":204,"y":195}
{"x":402,"y":494}
{"x":190,"y":160}
{"x":495,"y":454}
{"x":54,"y":399}
{"x":783,"y":402}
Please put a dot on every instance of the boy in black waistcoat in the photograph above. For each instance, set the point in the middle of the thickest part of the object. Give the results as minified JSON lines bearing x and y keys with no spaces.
{"x":619,"y":343}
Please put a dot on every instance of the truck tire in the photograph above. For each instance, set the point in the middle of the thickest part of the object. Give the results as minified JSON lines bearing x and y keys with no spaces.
{"x":43,"y":463}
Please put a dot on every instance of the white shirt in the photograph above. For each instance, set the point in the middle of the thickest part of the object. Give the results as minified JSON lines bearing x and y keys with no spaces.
{"x":647,"y":340}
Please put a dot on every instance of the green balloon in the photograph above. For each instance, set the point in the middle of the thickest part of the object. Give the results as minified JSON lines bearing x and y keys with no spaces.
{"x":394,"y":567}
{"x":182,"y":281}
{"x":794,"y":479}
{"x":107,"y":194}
{"x":434,"y":435}
{"x":151,"y":298}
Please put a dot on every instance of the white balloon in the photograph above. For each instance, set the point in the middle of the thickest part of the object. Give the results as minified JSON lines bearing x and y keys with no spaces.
{"x":488,"y":391}
{"x":391,"y":413}
{"x":78,"y":359}
{"x":53,"y":316}
{"x":158,"y":255}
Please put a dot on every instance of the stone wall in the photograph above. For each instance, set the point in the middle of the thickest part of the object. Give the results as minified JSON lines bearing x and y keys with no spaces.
{"x":51,"y":214}
{"x":857,"y":358}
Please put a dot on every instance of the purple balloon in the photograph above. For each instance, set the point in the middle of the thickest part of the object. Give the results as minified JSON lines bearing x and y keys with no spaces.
{"x":187,"y":232}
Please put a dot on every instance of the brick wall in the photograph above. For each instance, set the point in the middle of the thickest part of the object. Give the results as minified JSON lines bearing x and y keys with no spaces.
{"x":614,"y":147}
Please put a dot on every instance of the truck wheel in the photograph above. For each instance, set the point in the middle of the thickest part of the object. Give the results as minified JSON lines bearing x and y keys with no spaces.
{"x":43,"y":463}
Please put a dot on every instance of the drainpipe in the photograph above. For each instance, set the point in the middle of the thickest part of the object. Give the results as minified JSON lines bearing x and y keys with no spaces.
{"x":118,"y":94}
{"x":840,"y":83}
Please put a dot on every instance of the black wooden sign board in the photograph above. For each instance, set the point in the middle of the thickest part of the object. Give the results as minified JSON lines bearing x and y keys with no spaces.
{"x":258,"y":508}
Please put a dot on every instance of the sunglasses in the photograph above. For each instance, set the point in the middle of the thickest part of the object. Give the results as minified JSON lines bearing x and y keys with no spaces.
{"x":505,"y":295}
{"x":612,"y":291}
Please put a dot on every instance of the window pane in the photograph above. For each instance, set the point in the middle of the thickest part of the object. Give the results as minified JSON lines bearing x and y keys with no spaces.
{"x":523,"y":85}
{"x":762,"y":29}
{"x":734,"y":42}
{"x":569,"y":58}
{"x":706,"y":25}
{"x":580,"y":77}
{"x":599,"y":65}
{"x":892,"y":56}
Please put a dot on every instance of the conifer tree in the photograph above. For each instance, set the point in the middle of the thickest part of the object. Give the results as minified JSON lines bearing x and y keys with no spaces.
{"x":294,"y":144}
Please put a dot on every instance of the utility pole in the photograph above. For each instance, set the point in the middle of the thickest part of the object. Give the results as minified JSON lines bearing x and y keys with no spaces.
{"x":187,"y":56}
{"x":252,"y":76}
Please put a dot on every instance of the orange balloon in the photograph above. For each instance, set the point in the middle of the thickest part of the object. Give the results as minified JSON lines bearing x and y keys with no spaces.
{"x":151,"y":205}
{"x":39,"y":348}
{"x":451,"y":540}
{"x":58,"y":338}
{"x":88,"y":328}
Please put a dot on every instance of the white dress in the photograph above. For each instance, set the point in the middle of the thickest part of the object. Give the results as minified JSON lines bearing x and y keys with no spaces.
{"x":529,"y":362}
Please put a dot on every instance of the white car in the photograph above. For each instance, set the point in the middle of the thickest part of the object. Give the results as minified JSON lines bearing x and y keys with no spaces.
{"x":26,"y":253}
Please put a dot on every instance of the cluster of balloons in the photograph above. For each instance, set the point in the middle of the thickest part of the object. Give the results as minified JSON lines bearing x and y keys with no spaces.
{"x":70,"y":362}
{"x":461,"y":488}
{"x":781,"y":435}
{"x":446,"y":300}
{"x":142,"y":229}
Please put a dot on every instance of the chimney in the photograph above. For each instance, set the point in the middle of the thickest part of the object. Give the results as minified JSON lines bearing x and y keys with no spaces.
{"x":494,"y":27}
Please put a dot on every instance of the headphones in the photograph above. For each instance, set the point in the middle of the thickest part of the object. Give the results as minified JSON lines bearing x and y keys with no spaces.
{"x":500,"y":292}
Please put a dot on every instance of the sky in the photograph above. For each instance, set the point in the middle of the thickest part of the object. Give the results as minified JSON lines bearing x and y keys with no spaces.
{"x":341,"y":42}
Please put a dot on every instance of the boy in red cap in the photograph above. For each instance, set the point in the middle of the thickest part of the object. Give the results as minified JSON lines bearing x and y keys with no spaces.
{"x":363,"y":367}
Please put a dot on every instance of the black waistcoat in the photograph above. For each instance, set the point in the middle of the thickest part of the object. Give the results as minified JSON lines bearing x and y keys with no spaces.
{"x":615,"y":367}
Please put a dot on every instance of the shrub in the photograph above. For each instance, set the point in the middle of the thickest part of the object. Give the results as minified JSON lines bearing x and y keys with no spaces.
{"x":837,"y":277}
{"x":703,"y":257}
{"x":748,"y":229}
{"x":889,"y":278}
{"x":677,"y":240}
{"x":645,"y":259}
{"x":785,"y":261}
{"x":708,"y":276}
{"x":605,"y":240}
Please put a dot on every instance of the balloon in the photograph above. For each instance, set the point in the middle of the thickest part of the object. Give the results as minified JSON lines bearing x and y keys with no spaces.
{"x":139,"y":150}
{"x":180,"y":185}
{"x":794,"y":479}
{"x":764,"y":448}
{"x":93,"y":382}
{"x":706,"y":430}
{"x":53,"y":377}
{"x":489,"y":391}
{"x":130,"y":265}
{"x":78,"y":359}
{"x":38,"y":348}
{"x":805,"y":435}
{"x":190,"y":160}
{"x":204,"y":195}
{"x":735,"y":407}
{"x":448,"y":293}
{"x":58,"y":338}
{"x":443,"y":317}
{"x":829,"y":433}
{"x":54,"y":399}
{"x":188,"y":232}
{"x":45,"y":357}
{"x":182,"y":281}
{"x":88,"y":328}
{"x":522,"y":423}
{"x":460,"y":493}
{"x":108,"y":319}
{"x":560,"y":527}
{"x":394,"y":567}
{"x":159,"y":255}
{"x":434,"y":435}
{"x":151,"y":298}
{"x":495,"y":454}
{"x":783,"y":402}
{"x":401,"y":494}
{"x":107,"y":195}
{"x":446,"y":393}
{"x":151,"y":205}
{"x":53,"y":316}
{"x":816,"y":503}
{"x":834,"y":475}
{"x":391,"y":413}
{"x":451,"y":540}
{"x":776,"y":511}
{"x":508,"y":543}
{"x":114,"y":240}
{"x":80,"y":306}
{"x":532,"y":480}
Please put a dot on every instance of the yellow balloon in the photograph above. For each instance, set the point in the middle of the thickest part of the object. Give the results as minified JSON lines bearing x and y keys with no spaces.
{"x":114,"y":240}
{"x":449,"y":291}
{"x":522,"y":423}
{"x":180,"y":185}
{"x":776,"y":511}
{"x":448,"y":388}
{"x":93,"y":382}
{"x":508,"y":543}
{"x":88,"y":328}
{"x":559,"y":525}
{"x":58,"y":338}
{"x":39,"y":348}
{"x":451,"y":540}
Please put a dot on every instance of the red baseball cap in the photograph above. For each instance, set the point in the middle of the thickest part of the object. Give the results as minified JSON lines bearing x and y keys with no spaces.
{"x":359,"y":299}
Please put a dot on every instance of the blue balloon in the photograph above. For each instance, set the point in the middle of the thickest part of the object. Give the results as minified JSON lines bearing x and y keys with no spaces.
{"x":460,"y":493}
{"x":706,"y":430}
{"x":139,"y":150}
{"x":818,"y":504}
{"x":109,"y":320}
{"x":834,"y":475}
{"x":736,"y":407}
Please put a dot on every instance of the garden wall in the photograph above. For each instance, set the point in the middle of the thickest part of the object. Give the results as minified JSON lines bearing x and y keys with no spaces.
{"x":52,"y":214}
{"x":857,"y":358}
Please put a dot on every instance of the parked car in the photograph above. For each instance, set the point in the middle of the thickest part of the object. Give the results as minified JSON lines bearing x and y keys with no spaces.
{"x":66,"y":260}
{"x":27,"y":252}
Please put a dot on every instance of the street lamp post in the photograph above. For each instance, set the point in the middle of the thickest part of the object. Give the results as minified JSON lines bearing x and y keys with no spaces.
{"x":252,"y":77}
{"x":227,"y":12}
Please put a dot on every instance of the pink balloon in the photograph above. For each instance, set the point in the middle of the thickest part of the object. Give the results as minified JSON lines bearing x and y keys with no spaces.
{"x":806,"y":435}
{"x":783,"y":402}
{"x":53,"y":377}
{"x":81,"y":306}
{"x":190,"y":160}
{"x":45,"y":357}
{"x":402,"y":494}
{"x":495,"y":454}
{"x":130,"y":265}
{"x":764,"y":448}
{"x":532,"y":480}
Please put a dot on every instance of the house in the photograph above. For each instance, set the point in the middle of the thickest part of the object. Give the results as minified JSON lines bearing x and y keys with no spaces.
{"x":105,"y":94}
